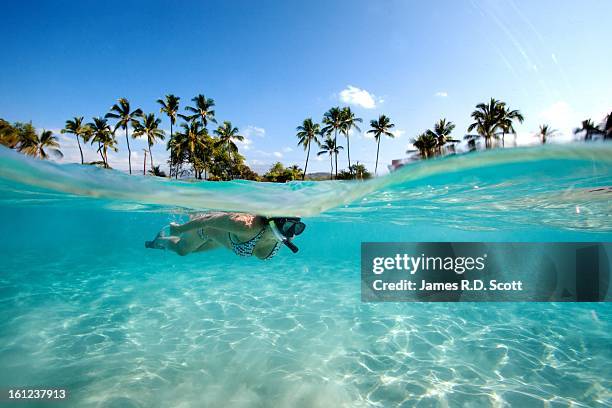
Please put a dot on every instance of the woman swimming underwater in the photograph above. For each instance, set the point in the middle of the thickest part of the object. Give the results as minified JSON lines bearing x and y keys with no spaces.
{"x":244,"y":234}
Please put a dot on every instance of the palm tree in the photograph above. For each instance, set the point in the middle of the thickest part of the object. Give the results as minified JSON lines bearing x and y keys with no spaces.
{"x":307,"y":133}
{"x":546,"y":132}
{"x":359,"y":170}
{"x":105,"y":137}
{"x":349,"y":121}
{"x":202,"y":110}
{"x":227,"y":135}
{"x":380,"y":127}
{"x":486,"y":121}
{"x":333,"y":120}
{"x":124,"y":115}
{"x":41,"y":146}
{"x":193,"y":140}
{"x":170,"y":107}
{"x":329,"y":147}
{"x":442,"y":131}
{"x":589,"y":129}
{"x":149,"y":127}
{"x":506,"y":118}
{"x":9,"y":135}
{"x":79,"y":130}
{"x":607,"y":126}
{"x":426,"y":143}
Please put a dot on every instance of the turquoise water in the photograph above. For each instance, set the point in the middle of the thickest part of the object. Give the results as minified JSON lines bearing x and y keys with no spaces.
{"x":86,"y":307}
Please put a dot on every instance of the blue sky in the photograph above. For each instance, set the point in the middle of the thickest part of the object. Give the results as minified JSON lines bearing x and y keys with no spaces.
{"x":270,"y":64}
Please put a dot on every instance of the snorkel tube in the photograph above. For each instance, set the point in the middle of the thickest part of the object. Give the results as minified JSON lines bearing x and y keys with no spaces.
{"x":280,"y":237}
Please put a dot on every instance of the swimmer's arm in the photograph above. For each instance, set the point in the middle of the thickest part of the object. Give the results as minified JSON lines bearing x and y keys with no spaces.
{"x":236,"y":223}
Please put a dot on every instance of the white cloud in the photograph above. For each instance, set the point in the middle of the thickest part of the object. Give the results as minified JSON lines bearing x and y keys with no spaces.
{"x":441,"y":94}
{"x":359,"y":97}
{"x":278,"y":154}
{"x":287,"y":149}
{"x":398,"y":132}
{"x":367,"y":135}
{"x":251,"y":131}
{"x":560,"y":115}
{"x":244,"y":144}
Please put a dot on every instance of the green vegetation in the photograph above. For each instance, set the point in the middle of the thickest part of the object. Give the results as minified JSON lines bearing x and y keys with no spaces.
{"x":125,"y":116}
{"x":308,"y":133}
{"x":380,"y":127}
{"x":149,"y":128}
{"x":80,"y":130}
{"x":492,"y":120}
{"x":104,"y":136}
{"x":546,"y":132}
{"x":281,"y":174}
{"x":23,"y":137}
{"x":329,"y":147}
{"x":170,"y":106}
{"x":215,"y":157}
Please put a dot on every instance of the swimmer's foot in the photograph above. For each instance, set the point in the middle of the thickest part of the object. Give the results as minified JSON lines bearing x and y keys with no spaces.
{"x":158,"y":242}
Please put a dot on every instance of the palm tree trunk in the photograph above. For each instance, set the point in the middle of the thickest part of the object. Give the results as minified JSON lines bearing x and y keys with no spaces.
{"x":229,"y":153}
{"x":503,"y":139}
{"x":101,"y":155}
{"x":306,"y":166}
{"x":151,"y":156}
{"x":105,"y":157}
{"x":171,"y":149}
{"x":348,"y":151}
{"x":377,"y":149}
{"x":129,"y":150}
{"x":336,"y":147}
{"x":331,"y":167}
{"x":80,"y":150}
{"x":144,"y":164}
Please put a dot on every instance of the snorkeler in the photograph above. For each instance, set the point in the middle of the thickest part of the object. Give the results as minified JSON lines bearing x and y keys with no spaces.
{"x":244,"y":234}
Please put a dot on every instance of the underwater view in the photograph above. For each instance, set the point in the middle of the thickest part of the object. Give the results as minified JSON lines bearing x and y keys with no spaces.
{"x":86,"y":307}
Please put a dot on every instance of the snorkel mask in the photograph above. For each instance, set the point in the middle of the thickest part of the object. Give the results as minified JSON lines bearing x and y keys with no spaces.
{"x":285,"y":228}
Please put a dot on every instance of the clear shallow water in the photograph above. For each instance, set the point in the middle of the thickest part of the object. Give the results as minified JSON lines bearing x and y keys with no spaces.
{"x":85,"y":306}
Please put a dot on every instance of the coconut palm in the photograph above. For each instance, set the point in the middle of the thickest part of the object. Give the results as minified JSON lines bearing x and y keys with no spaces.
{"x":380,"y":127}
{"x":170,"y":107}
{"x":360,"y":170}
{"x":9,"y":135}
{"x":607,"y":126}
{"x":41,"y":145}
{"x":192,"y":141}
{"x":506,"y":121}
{"x":329,"y":147}
{"x":442,"y":132}
{"x":545,"y":132}
{"x":80,"y":130}
{"x":227,"y":136}
{"x":486,"y":121}
{"x":102,"y":134}
{"x":589,"y":129}
{"x":149,"y":127}
{"x":426,"y":143}
{"x":349,"y":121}
{"x":125,"y":116}
{"x":308,"y":133}
{"x":201,"y":111}
{"x":333,"y":120}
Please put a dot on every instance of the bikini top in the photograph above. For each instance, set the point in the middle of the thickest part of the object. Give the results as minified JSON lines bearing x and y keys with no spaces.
{"x":246,"y":248}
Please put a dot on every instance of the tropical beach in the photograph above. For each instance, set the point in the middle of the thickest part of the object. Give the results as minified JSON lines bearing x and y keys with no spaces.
{"x":188,"y":192}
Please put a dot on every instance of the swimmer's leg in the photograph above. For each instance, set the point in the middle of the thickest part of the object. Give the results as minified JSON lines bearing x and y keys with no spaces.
{"x":185,"y":244}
